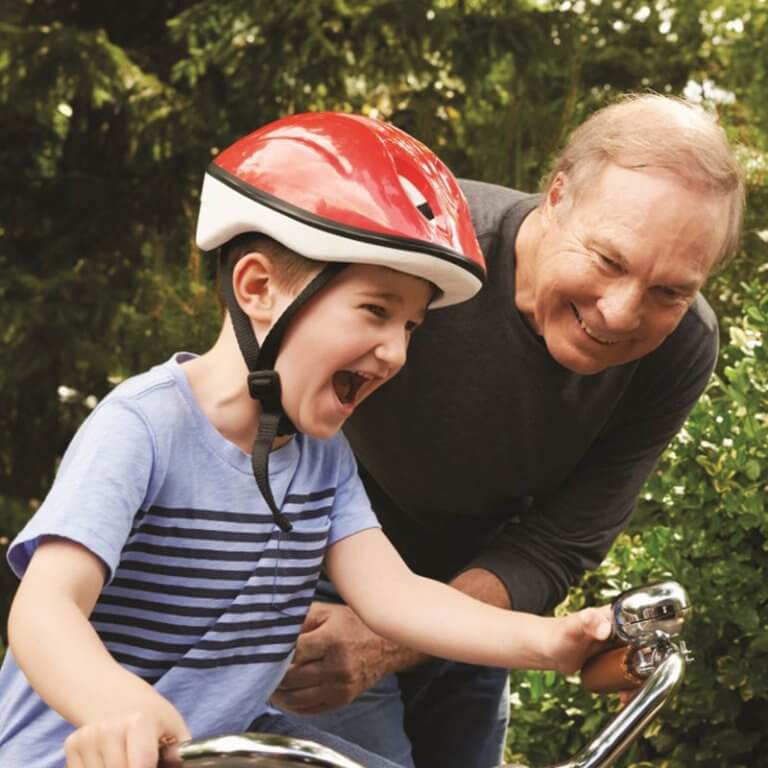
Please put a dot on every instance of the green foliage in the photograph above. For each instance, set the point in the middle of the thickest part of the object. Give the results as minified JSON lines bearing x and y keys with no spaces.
{"x":702,"y":520}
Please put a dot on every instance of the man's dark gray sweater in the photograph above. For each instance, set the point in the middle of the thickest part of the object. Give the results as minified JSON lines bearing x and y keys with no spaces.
{"x":485,"y":452}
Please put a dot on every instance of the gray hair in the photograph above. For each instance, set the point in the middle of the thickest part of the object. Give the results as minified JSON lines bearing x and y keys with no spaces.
{"x":653,"y":131}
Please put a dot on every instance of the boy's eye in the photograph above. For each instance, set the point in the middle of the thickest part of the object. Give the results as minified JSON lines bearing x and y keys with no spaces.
{"x":375,"y":309}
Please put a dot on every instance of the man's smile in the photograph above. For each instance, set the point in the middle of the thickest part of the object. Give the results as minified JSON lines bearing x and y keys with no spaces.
{"x":594,"y":335}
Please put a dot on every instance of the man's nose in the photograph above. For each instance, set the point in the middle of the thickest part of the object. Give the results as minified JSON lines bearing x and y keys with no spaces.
{"x":621,"y":305}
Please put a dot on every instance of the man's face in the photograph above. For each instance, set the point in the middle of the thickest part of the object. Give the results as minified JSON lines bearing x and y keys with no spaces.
{"x":611,"y":274}
{"x":346,"y":342}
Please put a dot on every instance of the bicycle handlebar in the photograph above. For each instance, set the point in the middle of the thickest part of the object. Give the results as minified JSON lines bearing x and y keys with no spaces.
{"x":649,"y":619}
{"x":254,"y":750}
{"x":615,"y":738}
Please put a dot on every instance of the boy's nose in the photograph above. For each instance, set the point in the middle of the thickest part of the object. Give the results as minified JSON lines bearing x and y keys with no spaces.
{"x":393,"y":351}
{"x":621,"y":306}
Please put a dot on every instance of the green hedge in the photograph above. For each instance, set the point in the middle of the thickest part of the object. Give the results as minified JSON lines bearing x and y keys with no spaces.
{"x":702,"y":520}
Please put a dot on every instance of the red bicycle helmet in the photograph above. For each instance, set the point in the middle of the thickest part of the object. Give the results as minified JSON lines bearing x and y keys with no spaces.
{"x":345,"y":188}
{"x":342,"y":189}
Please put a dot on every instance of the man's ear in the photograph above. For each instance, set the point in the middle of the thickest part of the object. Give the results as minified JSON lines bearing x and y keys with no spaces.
{"x":557,"y":194}
{"x":255,"y":288}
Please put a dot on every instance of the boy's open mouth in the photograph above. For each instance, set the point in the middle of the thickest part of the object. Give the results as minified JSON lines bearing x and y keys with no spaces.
{"x":347,"y":384}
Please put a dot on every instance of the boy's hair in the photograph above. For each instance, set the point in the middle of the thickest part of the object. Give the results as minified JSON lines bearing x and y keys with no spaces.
{"x":292,"y":269}
{"x":654,"y":131}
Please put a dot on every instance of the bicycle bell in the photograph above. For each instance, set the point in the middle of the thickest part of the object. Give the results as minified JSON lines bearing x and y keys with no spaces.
{"x":643,"y":615}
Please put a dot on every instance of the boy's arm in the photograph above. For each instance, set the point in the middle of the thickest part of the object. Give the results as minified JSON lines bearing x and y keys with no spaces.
{"x":438,"y":619}
{"x":67,"y":664}
{"x":338,"y":657}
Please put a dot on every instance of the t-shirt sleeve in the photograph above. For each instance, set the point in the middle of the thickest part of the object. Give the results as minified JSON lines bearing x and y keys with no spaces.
{"x":570,"y":529}
{"x":352,"y":511}
{"x":101,"y":484}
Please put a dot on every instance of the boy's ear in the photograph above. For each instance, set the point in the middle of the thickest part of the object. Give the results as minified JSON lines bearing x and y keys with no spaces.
{"x":255,"y":288}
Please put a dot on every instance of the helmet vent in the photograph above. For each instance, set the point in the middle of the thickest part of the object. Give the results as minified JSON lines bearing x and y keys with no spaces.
{"x":422,"y":206}
{"x":426,"y":211}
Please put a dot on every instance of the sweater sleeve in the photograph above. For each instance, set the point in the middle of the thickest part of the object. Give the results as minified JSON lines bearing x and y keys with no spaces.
{"x":569,"y":529}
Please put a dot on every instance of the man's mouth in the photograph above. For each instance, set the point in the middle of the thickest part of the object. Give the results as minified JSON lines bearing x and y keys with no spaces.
{"x":594,"y":335}
{"x":347,"y":385}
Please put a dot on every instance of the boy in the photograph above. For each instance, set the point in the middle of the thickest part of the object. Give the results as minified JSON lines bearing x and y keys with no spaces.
{"x":161,"y":592}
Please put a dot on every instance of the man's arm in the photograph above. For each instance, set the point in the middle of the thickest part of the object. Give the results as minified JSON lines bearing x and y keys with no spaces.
{"x":569,"y":529}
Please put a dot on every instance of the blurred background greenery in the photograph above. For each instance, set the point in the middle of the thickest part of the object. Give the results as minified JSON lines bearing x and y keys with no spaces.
{"x":109,"y":113}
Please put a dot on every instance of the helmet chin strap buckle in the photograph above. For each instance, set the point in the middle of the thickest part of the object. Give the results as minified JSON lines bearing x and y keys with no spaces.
{"x":265,"y":386}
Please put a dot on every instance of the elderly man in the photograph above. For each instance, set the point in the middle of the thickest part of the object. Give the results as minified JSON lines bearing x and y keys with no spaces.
{"x":510,"y":451}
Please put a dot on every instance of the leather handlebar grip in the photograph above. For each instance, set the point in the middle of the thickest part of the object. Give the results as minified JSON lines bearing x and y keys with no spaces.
{"x":611,"y":672}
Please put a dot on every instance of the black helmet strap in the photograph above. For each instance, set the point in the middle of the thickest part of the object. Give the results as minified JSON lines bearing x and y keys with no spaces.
{"x":264,"y":381}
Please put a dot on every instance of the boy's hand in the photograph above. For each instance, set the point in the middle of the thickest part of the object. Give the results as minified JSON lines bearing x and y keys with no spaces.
{"x":579,"y":636}
{"x":131,"y":740}
{"x":337,"y":658}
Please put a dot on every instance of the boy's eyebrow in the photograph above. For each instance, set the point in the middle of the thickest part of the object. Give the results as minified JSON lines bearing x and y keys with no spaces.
{"x":395,"y":298}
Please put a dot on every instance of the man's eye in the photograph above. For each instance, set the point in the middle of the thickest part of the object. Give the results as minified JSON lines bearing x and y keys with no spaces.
{"x":670,"y":295}
{"x":609,"y":264}
{"x":411,"y":326}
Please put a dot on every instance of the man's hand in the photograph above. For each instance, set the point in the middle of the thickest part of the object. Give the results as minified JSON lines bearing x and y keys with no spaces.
{"x":337,"y":658}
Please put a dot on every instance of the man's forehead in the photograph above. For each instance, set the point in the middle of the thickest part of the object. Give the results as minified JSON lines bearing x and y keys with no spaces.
{"x":648,"y":194}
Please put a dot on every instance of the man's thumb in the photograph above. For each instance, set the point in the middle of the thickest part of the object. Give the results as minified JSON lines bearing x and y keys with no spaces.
{"x":316,"y":617}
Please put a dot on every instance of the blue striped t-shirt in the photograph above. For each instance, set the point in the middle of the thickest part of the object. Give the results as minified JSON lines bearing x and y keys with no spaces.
{"x":205,"y":595}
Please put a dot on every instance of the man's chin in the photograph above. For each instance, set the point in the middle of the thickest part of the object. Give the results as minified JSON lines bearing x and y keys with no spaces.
{"x":586,"y":369}
{"x":583,"y":364}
